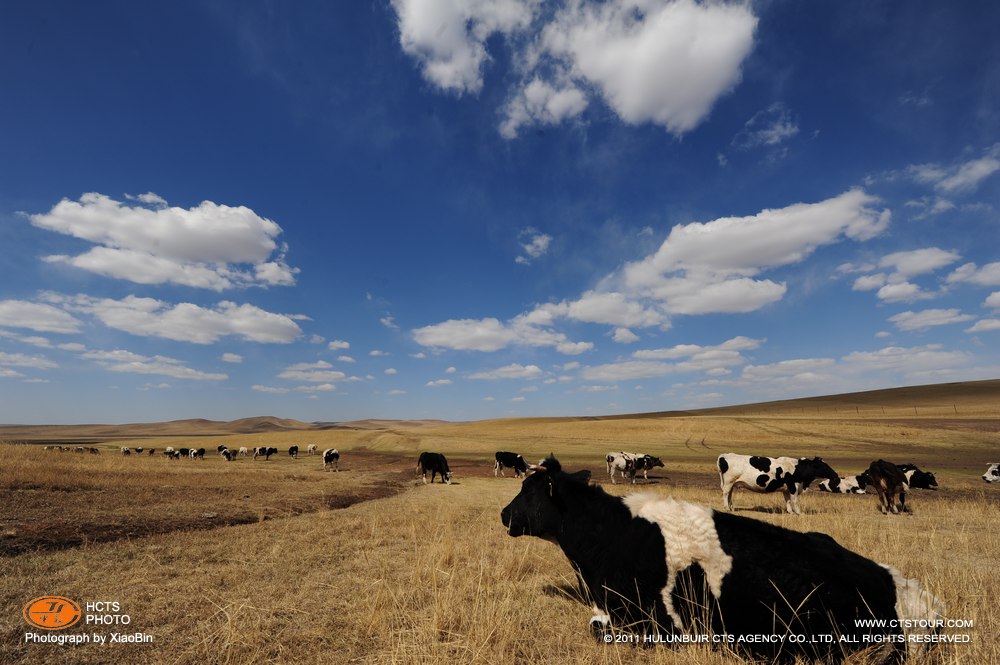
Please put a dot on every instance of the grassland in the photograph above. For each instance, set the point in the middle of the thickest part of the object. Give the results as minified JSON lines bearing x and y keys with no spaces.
{"x":279,"y":562}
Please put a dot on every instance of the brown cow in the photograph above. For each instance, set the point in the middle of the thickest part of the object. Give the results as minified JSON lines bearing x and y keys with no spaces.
{"x":889,"y":482}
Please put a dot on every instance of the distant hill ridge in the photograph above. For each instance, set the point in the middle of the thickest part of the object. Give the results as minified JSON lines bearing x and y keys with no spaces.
{"x":982,"y":396}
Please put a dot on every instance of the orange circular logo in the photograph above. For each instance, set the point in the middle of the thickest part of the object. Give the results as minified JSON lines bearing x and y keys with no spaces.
{"x":51,"y":612}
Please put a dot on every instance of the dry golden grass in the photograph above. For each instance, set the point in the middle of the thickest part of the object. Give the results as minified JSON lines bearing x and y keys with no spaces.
{"x":429,"y":575}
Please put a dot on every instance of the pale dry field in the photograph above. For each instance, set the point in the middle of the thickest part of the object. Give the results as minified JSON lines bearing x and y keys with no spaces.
{"x":426,"y":574}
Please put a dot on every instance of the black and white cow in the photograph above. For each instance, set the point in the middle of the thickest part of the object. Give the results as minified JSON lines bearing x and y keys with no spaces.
{"x":846,"y":484}
{"x":219,"y":448}
{"x":917,"y":479}
{"x":768,"y":474}
{"x":331,"y":458}
{"x":510,"y":461}
{"x":265,"y":452}
{"x":660,"y":567}
{"x":621,"y":462}
{"x":126,"y":450}
{"x":228,"y":455}
{"x":889,"y":483}
{"x":293,"y":452}
{"x":198,"y":454}
{"x":992,"y":474}
{"x":435,"y":463}
{"x":138,"y":451}
{"x":644,"y":463}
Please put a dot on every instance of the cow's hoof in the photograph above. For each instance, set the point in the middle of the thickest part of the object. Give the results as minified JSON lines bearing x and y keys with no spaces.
{"x":600,"y":627}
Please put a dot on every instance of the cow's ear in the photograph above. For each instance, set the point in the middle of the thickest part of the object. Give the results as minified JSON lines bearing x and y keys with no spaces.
{"x":581,"y":476}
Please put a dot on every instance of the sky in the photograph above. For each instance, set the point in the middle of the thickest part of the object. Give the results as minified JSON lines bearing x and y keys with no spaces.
{"x":469,"y":209}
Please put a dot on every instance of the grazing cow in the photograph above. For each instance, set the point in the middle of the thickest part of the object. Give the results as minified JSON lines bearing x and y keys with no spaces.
{"x":173,"y":454}
{"x":436,"y":464}
{"x":79,"y":449}
{"x":183,"y":452}
{"x":846,"y":484}
{"x":126,"y":451}
{"x":151,"y":452}
{"x":670,"y":570}
{"x":889,"y":483}
{"x":138,"y":451}
{"x":219,"y":448}
{"x":95,"y":451}
{"x":228,"y":455}
{"x":311,"y":450}
{"x":293,"y":452}
{"x":917,"y":479}
{"x":624,"y":463}
{"x":243,"y":452}
{"x":767,"y":474}
{"x":169,"y":450}
{"x":198,"y":454}
{"x":644,"y":463}
{"x":510,"y":461}
{"x":992,"y":474}
{"x":264,"y":452}
{"x":331,"y":458}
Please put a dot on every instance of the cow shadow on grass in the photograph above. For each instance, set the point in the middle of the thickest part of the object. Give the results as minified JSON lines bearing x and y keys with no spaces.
{"x":566,"y":590}
{"x":776,"y":510}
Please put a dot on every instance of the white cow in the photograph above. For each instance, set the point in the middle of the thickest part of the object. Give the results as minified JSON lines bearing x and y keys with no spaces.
{"x":311,"y":449}
{"x":992,"y":474}
{"x":244,"y":452}
{"x":622,"y":462}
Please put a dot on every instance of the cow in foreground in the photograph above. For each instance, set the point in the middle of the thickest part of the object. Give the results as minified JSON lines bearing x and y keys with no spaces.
{"x":992,"y":474}
{"x":666,"y":569}
{"x":917,"y":479}
{"x":890,"y":484}
{"x":331,"y":459}
{"x":435,"y":463}
{"x":769,"y":474}
{"x":510,"y":461}
{"x":846,"y":484}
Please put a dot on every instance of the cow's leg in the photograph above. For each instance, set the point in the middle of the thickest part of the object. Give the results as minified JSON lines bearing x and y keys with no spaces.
{"x":496,"y":467}
{"x":902,"y":502}
{"x":727,"y":496}
{"x":425,"y":477}
{"x":612,"y":475}
{"x":600,"y":624}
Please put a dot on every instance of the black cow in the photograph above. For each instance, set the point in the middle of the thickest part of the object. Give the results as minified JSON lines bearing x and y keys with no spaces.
{"x":510,"y":461}
{"x":436,"y":464}
{"x":768,"y":474}
{"x":917,"y":479}
{"x":889,"y":483}
{"x":664,"y":568}
{"x":293,"y":452}
{"x":183,"y":452}
{"x":331,"y":457}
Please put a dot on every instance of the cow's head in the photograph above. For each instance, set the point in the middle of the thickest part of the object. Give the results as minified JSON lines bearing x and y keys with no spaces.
{"x":808,"y":470}
{"x":447,"y":477}
{"x":992,"y":474}
{"x":538,"y":508}
{"x":653,"y":461}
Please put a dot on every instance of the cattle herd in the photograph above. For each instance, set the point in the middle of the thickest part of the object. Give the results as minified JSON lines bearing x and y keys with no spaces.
{"x":673,"y":571}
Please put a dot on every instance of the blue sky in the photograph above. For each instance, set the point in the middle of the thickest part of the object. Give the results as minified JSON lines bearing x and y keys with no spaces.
{"x":466,"y":209}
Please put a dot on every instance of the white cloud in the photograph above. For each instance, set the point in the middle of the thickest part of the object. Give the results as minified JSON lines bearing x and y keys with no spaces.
{"x":396,"y":391}
{"x":36,"y":316}
{"x":377,"y":353}
{"x":801,"y":369}
{"x":534,"y":244}
{"x":928,"y":318}
{"x":869,"y":282}
{"x":391,"y":371}
{"x":912,"y":360}
{"x":338,"y":344}
{"x":658,"y":61}
{"x":185,"y":322}
{"x":895,"y":286}
{"x":439,"y":382}
{"x":491,"y":335}
{"x":231,"y":358}
{"x":345,"y":359}
{"x":22,"y":360}
{"x":389,"y":322}
{"x":903,"y":292}
{"x":512,"y":371}
{"x":919,"y":261}
{"x":209,"y":246}
{"x":269,"y":389}
{"x":709,"y":267}
{"x":992,"y":300}
{"x":767,"y":129}
{"x":121,"y":360}
{"x":10,"y":373}
{"x":317,"y":372}
{"x":984,"y":325}
{"x":962,"y":177}
{"x":627,"y":370}
{"x":450,"y":370}
{"x":624,"y":336}
{"x":988,"y":275}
